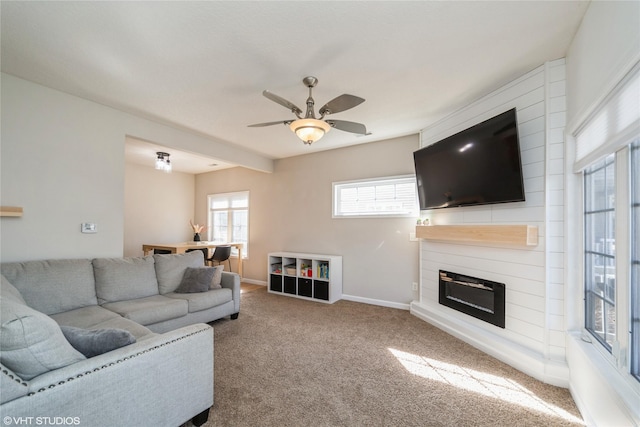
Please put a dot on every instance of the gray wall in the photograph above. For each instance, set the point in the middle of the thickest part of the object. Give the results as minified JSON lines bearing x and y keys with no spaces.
{"x":63,"y":163}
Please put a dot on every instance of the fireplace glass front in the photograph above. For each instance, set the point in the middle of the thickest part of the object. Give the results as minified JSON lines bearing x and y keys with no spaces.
{"x":482,"y":299}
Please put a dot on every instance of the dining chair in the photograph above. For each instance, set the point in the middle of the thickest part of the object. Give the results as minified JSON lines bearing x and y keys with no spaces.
{"x":220,"y":255}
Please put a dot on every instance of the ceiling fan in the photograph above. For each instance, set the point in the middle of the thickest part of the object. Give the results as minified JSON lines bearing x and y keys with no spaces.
{"x":309,"y":128}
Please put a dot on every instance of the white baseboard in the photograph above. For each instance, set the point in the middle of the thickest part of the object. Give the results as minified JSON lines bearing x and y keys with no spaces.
{"x":253,"y":281}
{"x":379,"y":302}
{"x":513,"y":354}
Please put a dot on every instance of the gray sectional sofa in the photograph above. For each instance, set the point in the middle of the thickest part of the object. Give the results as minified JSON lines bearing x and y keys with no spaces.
{"x":164,"y":378}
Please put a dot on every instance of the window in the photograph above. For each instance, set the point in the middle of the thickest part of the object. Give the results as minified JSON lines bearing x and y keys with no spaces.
{"x":607,"y":155}
{"x":229,"y":219}
{"x":635,"y":259}
{"x":390,"y":197}
{"x":599,"y":250}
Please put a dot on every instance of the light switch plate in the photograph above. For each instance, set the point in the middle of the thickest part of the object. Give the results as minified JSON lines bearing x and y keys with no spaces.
{"x":89,"y":227}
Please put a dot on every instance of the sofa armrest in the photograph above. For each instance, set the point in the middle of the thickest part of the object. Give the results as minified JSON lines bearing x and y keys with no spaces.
{"x":11,"y":385}
{"x":163,"y":380}
{"x":232,"y":281}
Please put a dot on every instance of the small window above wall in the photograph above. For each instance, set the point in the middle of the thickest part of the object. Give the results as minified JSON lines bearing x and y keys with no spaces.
{"x":377,"y":197}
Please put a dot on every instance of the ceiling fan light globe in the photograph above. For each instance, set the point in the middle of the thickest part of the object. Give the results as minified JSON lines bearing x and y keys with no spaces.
{"x":309,"y":130}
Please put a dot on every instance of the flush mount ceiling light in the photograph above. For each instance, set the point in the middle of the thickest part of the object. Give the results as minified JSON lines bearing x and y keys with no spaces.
{"x":309,"y":128}
{"x":162,"y":162}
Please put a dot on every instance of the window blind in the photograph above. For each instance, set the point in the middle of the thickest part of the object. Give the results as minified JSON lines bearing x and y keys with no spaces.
{"x":394,"y":196}
{"x":612,"y":125}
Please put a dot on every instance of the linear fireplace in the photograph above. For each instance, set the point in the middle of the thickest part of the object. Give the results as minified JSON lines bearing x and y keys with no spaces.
{"x":482,"y":299}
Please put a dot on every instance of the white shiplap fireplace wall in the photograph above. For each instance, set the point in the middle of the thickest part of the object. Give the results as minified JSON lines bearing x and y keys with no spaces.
{"x":533,"y":340}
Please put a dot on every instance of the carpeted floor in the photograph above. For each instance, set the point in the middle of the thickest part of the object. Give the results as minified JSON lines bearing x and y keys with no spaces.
{"x":290,"y":362}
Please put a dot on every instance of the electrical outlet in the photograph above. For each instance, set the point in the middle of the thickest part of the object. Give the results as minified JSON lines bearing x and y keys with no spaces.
{"x":415,"y":286}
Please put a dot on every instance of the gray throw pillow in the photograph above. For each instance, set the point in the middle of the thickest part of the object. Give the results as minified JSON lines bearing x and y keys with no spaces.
{"x":31,"y":342}
{"x":196,"y":280}
{"x":95,"y":342}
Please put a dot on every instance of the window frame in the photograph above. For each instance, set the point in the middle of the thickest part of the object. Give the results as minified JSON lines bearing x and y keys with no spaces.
{"x":611,"y":127}
{"x":621,"y":353}
{"x":336,"y":212}
{"x":634,"y":258}
{"x":229,"y":196}
{"x":590,"y":254}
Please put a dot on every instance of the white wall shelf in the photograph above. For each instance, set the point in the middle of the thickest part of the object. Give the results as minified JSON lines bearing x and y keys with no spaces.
{"x":313,"y":277}
{"x":519,"y":235}
{"x":10,"y":211}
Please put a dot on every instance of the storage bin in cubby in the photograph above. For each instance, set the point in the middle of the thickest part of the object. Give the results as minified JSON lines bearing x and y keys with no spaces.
{"x":304,"y":287}
{"x":321,"y":290}
{"x":275,"y":283}
{"x":290,"y":285}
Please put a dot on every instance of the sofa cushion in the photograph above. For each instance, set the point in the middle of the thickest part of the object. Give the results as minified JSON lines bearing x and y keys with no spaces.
{"x":96,"y":317}
{"x":31,"y":343}
{"x":149,"y":310}
{"x":170,"y":269}
{"x":196,"y":280}
{"x":53,"y":286}
{"x":204,"y":300}
{"x":120,"y":279}
{"x":85,"y":317}
{"x":98,"y":341}
{"x":8,"y":291}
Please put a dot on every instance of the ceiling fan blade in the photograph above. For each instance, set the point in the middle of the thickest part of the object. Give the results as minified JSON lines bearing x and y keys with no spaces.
{"x":280,"y":122}
{"x":277,"y":99}
{"x":346,"y":126}
{"x":341,"y":103}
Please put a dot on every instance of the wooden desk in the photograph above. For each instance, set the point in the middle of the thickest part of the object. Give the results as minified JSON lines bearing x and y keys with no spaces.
{"x":180,"y":248}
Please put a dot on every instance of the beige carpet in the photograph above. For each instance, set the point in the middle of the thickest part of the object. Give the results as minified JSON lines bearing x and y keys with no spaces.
{"x":290,"y":362}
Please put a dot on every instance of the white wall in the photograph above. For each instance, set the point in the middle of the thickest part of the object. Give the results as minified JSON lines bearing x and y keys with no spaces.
{"x":605,"y":48}
{"x":290,"y":210}
{"x":157,"y":207}
{"x":63,"y":162}
{"x":533,"y":337}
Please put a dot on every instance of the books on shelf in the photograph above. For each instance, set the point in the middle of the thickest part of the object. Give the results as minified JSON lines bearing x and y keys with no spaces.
{"x":323,"y":271}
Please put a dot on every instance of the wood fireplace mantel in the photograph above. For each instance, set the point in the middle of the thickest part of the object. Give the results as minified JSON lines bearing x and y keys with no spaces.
{"x":10,"y":211}
{"x":519,"y":235}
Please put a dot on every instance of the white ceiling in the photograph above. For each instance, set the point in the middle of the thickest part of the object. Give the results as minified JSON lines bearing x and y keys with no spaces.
{"x":203,"y":66}
{"x":142,"y":152}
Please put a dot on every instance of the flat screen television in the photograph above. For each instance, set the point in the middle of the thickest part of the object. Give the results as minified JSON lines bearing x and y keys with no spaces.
{"x":478,"y":166}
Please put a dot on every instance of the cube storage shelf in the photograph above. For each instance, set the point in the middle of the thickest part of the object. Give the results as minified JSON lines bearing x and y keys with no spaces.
{"x":308,"y":276}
